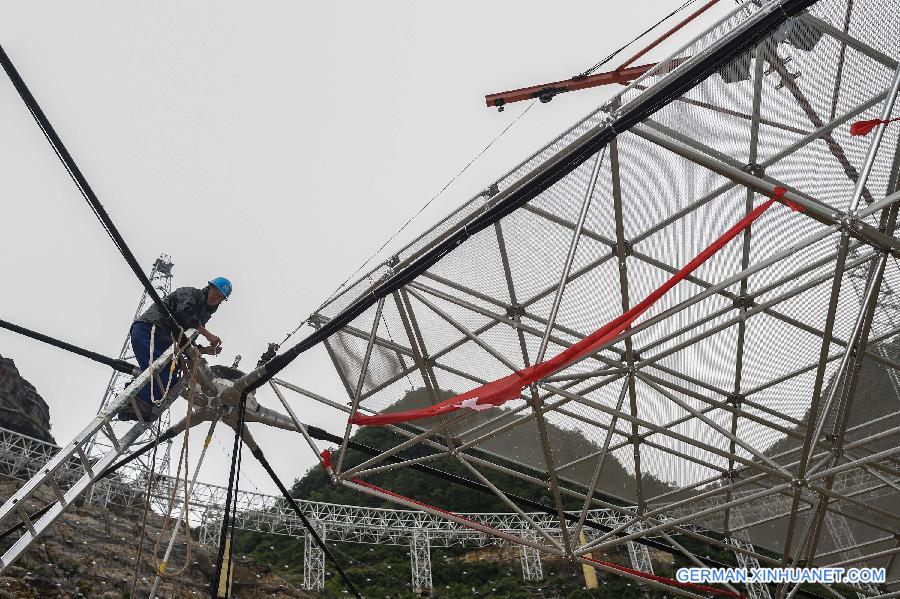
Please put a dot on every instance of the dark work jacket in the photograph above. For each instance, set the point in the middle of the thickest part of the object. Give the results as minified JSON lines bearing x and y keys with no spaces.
{"x":188,"y":306}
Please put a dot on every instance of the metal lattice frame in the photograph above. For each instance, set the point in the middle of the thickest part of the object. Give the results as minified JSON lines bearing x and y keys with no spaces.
{"x":420,"y":563}
{"x":530,"y":558}
{"x":748,"y":388}
{"x":160,"y":277}
{"x":313,"y":563}
{"x":21,"y":457}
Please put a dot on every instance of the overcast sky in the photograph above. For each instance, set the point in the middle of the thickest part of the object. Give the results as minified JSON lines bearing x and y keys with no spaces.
{"x":275,"y":143}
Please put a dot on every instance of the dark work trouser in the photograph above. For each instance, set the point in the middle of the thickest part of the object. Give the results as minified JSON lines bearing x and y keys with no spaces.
{"x":140,"y":343}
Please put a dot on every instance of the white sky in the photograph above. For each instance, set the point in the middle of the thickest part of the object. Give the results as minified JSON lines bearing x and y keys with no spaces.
{"x":276,"y":143}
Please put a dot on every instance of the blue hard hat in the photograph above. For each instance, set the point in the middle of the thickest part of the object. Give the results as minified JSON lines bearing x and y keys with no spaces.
{"x":223,"y":285}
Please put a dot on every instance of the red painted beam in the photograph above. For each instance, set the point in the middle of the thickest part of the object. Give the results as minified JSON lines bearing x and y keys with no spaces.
{"x":668,"y":33}
{"x":622,"y":74}
{"x":546,"y":91}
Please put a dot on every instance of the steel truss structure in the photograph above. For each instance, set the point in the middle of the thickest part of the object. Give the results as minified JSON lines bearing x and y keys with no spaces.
{"x":753,"y":405}
{"x":763,"y":384}
{"x":21,"y":457}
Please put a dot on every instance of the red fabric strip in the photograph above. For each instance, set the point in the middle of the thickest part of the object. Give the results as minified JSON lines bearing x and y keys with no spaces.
{"x":865,"y":127}
{"x":326,"y":459}
{"x":621,"y":568}
{"x":498,"y":392}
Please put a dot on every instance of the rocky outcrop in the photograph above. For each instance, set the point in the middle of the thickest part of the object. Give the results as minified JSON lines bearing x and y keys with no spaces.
{"x":91,"y":552}
{"x":21,"y":408}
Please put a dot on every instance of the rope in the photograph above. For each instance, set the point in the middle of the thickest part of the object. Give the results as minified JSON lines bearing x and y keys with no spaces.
{"x":182,"y":459}
{"x":237,"y":479}
{"x":420,"y":211}
{"x":119,"y":365}
{"x":150,"y":475}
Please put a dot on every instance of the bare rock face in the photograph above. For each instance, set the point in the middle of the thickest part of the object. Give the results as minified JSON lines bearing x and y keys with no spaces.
{"x":92,"y":552}
{"x":21,"y":408}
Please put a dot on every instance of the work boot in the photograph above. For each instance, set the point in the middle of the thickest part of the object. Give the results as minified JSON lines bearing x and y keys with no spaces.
{"x":127,"y":413}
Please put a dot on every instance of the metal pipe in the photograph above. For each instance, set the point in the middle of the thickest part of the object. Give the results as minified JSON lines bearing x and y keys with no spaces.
{"x":359,"y":384}
{"x":592,"y":488}
{"x":299,"y":426}
{"x":570,"y":257}
{"x":876,"y":141}
{"x":486,"y":482}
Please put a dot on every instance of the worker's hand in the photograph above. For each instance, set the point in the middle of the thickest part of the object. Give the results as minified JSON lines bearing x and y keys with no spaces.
{"x":213,"y":339}
{"x":212,"y":350}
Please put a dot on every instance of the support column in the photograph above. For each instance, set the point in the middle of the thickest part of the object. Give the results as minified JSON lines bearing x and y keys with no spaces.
{"x":640,"y":557}
{"x":842,"y":535}
{"x":532,"y":568}
{"x":638,"y":554}
{"x":313,"y":563}
{"x":420,"y":563}
{"x":741,"y":540}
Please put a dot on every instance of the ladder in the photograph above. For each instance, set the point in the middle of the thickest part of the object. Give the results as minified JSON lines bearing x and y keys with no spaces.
{"x":54,"y":474}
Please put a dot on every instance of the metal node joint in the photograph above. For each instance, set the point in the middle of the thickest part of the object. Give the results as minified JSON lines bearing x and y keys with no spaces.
{"x":735,"y":399}
{"x":627,"y":248}
{"x":515,"y":311}
{"x":730,"y":475}
{"x":849,"y":224}
{"x":755,"y":169}
{"x":743,"y":302}
{"x":491,"y":191}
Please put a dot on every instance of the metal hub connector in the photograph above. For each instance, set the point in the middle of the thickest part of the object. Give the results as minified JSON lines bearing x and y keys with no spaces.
{"x":515,"y":311}
{"x":627,"y":248}
{"x":754,"y":169}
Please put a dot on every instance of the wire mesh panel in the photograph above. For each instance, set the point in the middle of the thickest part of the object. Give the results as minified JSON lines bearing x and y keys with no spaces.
{"x":766,"y":379}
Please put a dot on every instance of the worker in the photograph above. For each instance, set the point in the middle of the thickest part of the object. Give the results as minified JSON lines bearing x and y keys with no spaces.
{"x":192,"y":309}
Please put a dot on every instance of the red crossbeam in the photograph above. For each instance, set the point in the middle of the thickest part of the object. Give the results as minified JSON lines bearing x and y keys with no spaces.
{"x":546,"y":91}
{"x":623,"y":74}
{"x":611,"y":565}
